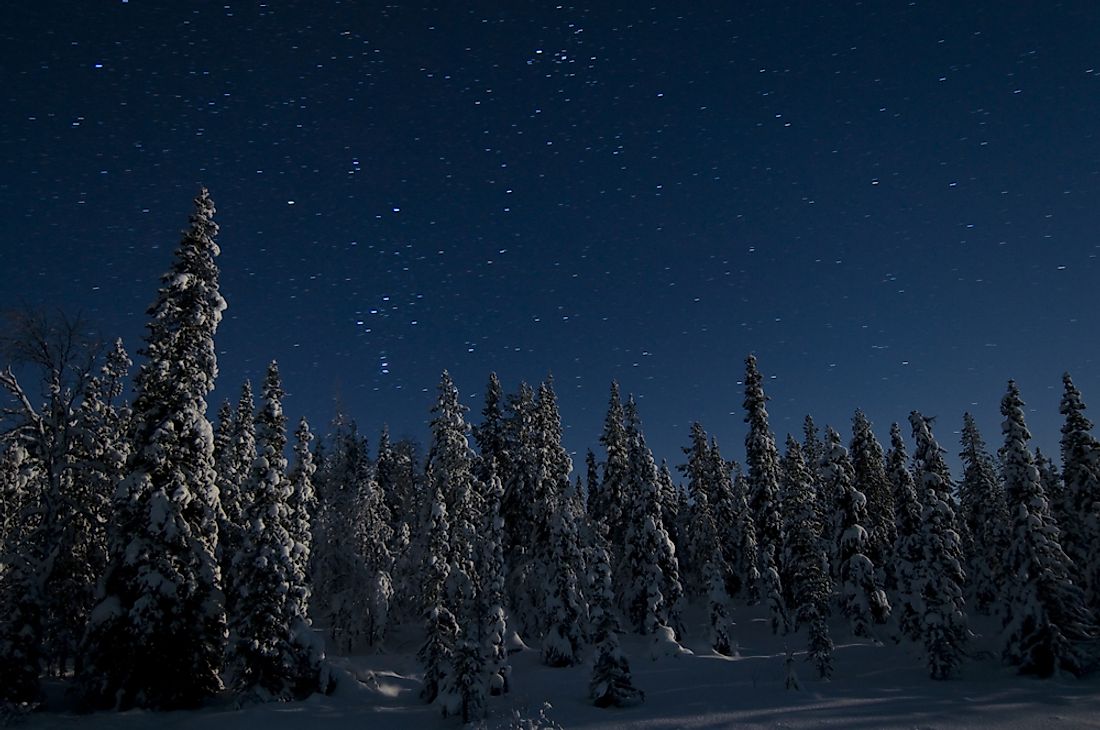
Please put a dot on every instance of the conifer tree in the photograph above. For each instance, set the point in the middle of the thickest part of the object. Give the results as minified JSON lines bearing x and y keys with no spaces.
{"x":908,"y":550}
{"x":732,"y":512}
{"x":762,"y":462}
{"x":157,"y":638}
{"x":869,"y":478}
{"x":565,"y":605}
{"x":440,"y":626}
{"x":592,"y":484}
{"x":702,"y":534}
{"x":718,"y":604}
{"x":862,"y":599}
{"x":1081,"y":472}
{"x":983,"y":508}
{"x":805,"y":559}
{"x":616,"y":468}
{"x":611,"y":682}
{"x":233,"y":474}
{"x":264,"y":657}
{"x":941,"y":576}
{"x":651,"y":578}
{"x":495,"y":630}
{"x":1047,"y":624}
{"x":492,"y":435}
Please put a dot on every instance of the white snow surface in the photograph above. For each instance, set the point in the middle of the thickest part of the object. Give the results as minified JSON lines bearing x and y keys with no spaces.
{"x":873,"y":686}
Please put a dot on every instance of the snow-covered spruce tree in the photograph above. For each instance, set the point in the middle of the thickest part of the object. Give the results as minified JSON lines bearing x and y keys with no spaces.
{"x":520,"y":479}
{"x":773,"y":591}
{"x":651,"y":586}
{"x":1080,"y":525}
{"x":157,"y":638}
{"x":983,"y":508}
{"x":492,"y":435}
{"x":813,"y":448}
{"x":761,"y":462}
{"x":263,"y":656}
{"x":611,"y":683}
{"x":737,"y":531}
{"x":404,"y":483}
{"x":869,"y":478}
{"x":492,"y":571}
{"x":22,"y":553}
{"x":702,"y":535}
{"x":862,"y":600}
{"x":440,"y":627}
{"x":565,"y":605}
{"x":940,"y":578}
{"x":233,"y":471}
{"x":591,"y":484}
{"x":1048,"y":626}
{"x":451,"y":465}
{"x":1053,"y":487}
{"x":310,"y":673}
{"x":670,"y":504}
{"x":804,"y":557}
{"x":616,"y":473}
{"x":908,"y":553}
{"x":718,"y":604}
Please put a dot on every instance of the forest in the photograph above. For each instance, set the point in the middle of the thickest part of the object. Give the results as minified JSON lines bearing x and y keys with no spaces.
{"x":154,"y":559}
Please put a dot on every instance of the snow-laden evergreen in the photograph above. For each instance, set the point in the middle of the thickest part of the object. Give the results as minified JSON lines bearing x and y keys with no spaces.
{"x":940,"y":577}
{"x":613,"y":501}
{"x":234,"y":461}
{"x":908,"y":550}
{"x":1047,"y":624}
{"x":270,"y":654}
{"x":1080,"y":522}
{"x":862,"y":599}
{"x":762,"y":463}
{"x":492,"y":571}
{"x":869,"y":478}
{"x":805,"y":560}
{"x":651,"y":588}
{"x":157,"y":637}
{"x":983,"y":509}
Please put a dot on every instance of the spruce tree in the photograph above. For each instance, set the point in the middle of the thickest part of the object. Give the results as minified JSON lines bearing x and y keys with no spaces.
{"x":983,"y":508}
{"x":233,"y":474}
{"x":869,"y":478}
{"x":495,"y":628}
{"x":566,"y":609}
{"x":264,"y":657}
{"x":805,"y":559}
{"x":157,"y":638}
{"x":762,"y":462}
{"x":440,"y":627}
{"x":1081,"y":472}
{"x":941,"y":576}
{"x":1048,"y":626}
{"x":907,"y":545}
{"x":613,"y":487}
{"x":862,"y":599}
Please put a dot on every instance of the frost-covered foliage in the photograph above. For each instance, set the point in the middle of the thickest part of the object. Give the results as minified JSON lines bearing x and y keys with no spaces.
{"x":21,"y":556}
{"x":235,"y":453}
{"x":940,"y":577}
{"x":611,"y":684}
{"x":908,"y":551}
{"x":651,"y":588}
{"x":869,"y":478}
{"x":773,"y":591}
{"x":736,"y":529}
{"x":1081,"y":474}
{"x":270,"y":656}
{"x":761,"y":462}
{"x":494,"y":599}
{"x":805,"y":560}
{"x":702,"y":534}
{"x":157,"y":638}
{"x":565,"y":604}
{"x":862,"y":599}
{"x":983,"y":509}
{"x":612,"y":502}
{"x":1048,"y":627}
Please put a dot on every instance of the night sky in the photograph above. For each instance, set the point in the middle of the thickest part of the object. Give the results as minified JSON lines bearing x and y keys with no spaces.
{"x":893,"y":204}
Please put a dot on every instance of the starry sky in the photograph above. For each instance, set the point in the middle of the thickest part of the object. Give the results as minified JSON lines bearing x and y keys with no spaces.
{"x":893,"y":204}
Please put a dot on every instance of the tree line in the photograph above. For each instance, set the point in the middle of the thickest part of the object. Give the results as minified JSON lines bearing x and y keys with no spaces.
{"x":158,"y":559}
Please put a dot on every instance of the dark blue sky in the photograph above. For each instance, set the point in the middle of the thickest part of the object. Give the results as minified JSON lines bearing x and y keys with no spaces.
{"x":892,"y":204}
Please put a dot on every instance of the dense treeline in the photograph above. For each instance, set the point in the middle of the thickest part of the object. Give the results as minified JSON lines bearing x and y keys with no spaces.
{"x":157,"y":559}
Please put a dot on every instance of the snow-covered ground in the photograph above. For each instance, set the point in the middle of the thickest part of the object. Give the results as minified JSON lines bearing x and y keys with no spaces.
{"x":873,"y":686}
